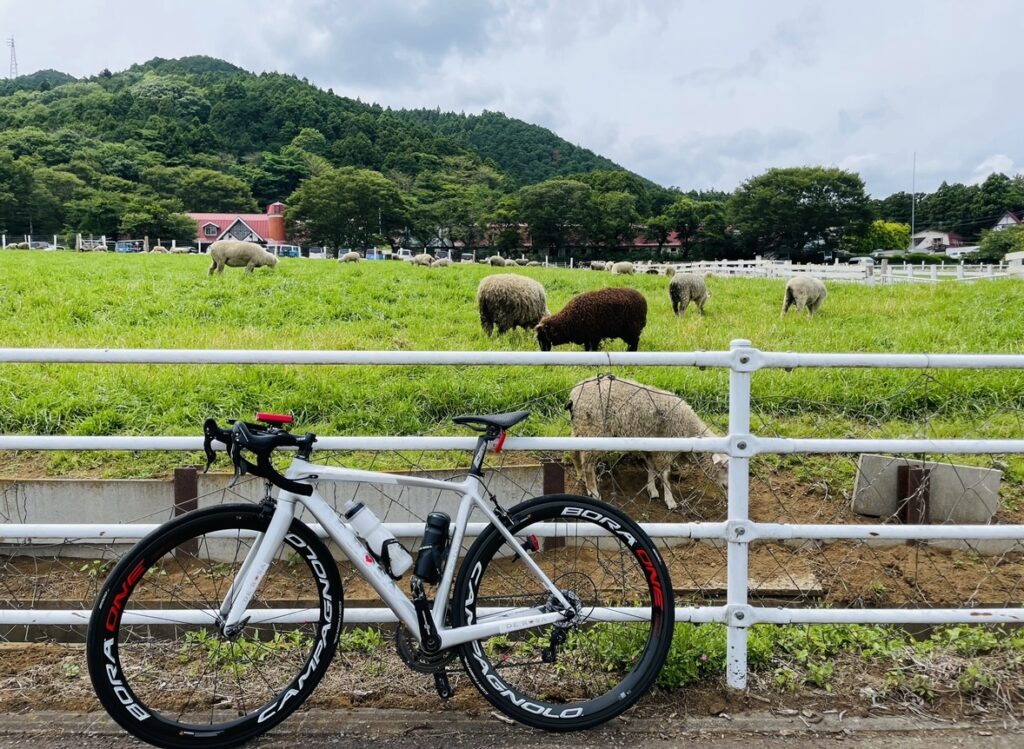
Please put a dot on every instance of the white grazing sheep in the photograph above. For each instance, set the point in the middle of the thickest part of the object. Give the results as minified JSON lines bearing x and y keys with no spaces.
{"x":350,"y":257}
{"x":520,"y":261}
{"x":497,"y":261}
{"x":236,"y":254}
{"x":509,"y":301}
{"x":804,"y":291}
{"x":533,"y":264}
{"x":685,"y":288}
{"x":423,"y":258}
{"x":623,"y":268}
{"x":441,"y":262}
{"x":606,"y":406}
{"x":597,"y":265}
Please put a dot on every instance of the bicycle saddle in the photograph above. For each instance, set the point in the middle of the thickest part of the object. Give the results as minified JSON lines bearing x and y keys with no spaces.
{"x":493,"y":422}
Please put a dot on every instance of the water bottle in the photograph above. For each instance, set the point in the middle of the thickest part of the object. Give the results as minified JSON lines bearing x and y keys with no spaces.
{"x":382,"y":543}
{"x":431,"y":557}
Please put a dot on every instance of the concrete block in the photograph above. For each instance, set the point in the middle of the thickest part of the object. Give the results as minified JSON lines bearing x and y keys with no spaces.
{"x":959,"y":494}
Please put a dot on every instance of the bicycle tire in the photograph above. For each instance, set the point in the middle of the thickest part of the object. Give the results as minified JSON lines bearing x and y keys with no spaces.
{"x":605,"y":545}
{"x":180,"y":685}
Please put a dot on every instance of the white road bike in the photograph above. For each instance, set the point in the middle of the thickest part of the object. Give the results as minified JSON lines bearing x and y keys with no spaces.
{"x":220,"y":623}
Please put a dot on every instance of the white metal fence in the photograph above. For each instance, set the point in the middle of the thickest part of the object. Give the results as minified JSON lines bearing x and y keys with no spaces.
{"x":880,"y":273}
{"x":737,"y":531}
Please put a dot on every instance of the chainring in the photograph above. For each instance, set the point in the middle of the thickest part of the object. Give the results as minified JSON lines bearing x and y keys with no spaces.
{"x":409,"y":651}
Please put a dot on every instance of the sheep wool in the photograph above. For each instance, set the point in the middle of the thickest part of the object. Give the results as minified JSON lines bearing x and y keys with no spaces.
{"x":507,"y":301}
{"x":593,"y":316}
{"x":685,"y":288}
{"x":236,"y":254}
{"x":497,"y":261}
{"x":607,"y":406}
{"x":441,"y":262}
{"x":804,"y":291}
{"x":350,"y":257}
{"x":423,"y":258}
{"x":623,"y":268}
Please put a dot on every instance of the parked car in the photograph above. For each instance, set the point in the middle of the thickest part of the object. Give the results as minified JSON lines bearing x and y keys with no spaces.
{"x":862,"y":260}
{"x":467,"y":257}
{"x":404,"y":254}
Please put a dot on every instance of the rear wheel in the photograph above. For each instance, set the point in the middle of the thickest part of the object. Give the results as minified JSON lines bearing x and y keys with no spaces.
{"x":588,"y":669}
{"x":158,"y":660}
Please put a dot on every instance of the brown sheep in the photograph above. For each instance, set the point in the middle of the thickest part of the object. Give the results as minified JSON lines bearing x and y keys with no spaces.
{"x":593,"y":316}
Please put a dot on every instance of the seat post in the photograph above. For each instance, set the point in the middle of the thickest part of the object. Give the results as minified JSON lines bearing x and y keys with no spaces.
{"x":480,"y":452}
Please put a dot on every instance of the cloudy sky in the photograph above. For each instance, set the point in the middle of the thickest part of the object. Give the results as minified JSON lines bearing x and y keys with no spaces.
{"x":693,"y":94}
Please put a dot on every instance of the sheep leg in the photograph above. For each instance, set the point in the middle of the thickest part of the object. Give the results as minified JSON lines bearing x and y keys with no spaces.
{"x":787,"y":302}
{"x":633,"y":344}
{"x":210,"y":272}
{"x":675,"y":307}
{"x":589,"y":471}
{"x":661,"y":465}
{"x":251,"y":266}
{"x":666,"y":488}
{"x":700,"y":307}
{"x":652,"y":487}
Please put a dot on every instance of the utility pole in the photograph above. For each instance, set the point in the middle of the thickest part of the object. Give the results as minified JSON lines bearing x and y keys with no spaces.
{"x":913,"y":201}
{"x":14,"y":59}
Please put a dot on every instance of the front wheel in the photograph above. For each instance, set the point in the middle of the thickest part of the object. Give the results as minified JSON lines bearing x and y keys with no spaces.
{"x":157,"y":658}
{"x":586,"y":670}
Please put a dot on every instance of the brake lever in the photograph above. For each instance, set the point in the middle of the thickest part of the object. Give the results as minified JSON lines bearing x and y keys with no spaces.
{"x":210,"y":433}
{"x":240,"y":464}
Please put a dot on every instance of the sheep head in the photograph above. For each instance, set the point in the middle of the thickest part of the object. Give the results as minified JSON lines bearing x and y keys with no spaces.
{"x":720,"y":463}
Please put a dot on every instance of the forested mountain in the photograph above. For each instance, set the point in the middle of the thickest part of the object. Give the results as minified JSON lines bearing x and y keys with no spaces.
{"x":198,"y":133}
{"x":527,"y":153}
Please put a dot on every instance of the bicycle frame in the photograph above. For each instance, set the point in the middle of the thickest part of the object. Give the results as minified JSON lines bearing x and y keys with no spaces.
{"x":233,"y":609}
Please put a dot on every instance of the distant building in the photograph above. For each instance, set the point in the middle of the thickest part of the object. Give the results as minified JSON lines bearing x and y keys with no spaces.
{"x":262,"y":228}
{"x":1007,"y":220}
{"x":933,"y":240}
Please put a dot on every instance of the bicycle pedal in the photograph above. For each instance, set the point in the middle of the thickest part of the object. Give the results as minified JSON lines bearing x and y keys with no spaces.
{"x":442,"y":685}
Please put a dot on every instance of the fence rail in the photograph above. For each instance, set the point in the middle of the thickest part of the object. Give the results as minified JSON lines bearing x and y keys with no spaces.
{"x":738,"y":531}
{"x":880,"y":273}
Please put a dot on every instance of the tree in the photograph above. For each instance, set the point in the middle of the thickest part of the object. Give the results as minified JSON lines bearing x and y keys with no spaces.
{"x":683,"y":217}
{"x":792,"y":211}
{"x":210,"y":191}
{"x":558,"y":212}
{"x":881,"y":235}
{"x":157,"y":219}
{"x":712,"y":240}
{"x":995,"y":244}
{"x":16,"y":185}
{"x":615,"y":219}
{"x":96,"y":212}
{"x":347,"y":207}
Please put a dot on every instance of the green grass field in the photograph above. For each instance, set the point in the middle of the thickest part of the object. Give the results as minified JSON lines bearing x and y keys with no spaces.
{"x":104,"y":300}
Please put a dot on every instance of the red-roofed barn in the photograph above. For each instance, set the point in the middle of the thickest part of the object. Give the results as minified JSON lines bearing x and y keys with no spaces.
{"x":262,"y":228}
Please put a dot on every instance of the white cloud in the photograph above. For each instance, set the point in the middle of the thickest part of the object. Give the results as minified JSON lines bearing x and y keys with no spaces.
{"x":998,"y":162}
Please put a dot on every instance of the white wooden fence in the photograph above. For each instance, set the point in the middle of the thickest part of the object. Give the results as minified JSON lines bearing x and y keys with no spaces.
{"x":738,"y":531}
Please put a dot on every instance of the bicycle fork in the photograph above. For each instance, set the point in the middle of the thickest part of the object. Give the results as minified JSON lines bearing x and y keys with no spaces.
{"x":231,"y":616}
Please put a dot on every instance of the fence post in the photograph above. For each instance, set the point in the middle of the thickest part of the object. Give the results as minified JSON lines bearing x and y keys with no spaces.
{"x":186,"y":492}
{"x":737,"y":606}
{"x":935,"y":273}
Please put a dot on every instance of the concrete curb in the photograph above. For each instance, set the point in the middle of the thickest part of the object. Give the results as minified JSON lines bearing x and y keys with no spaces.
{"x":387,"y":722}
